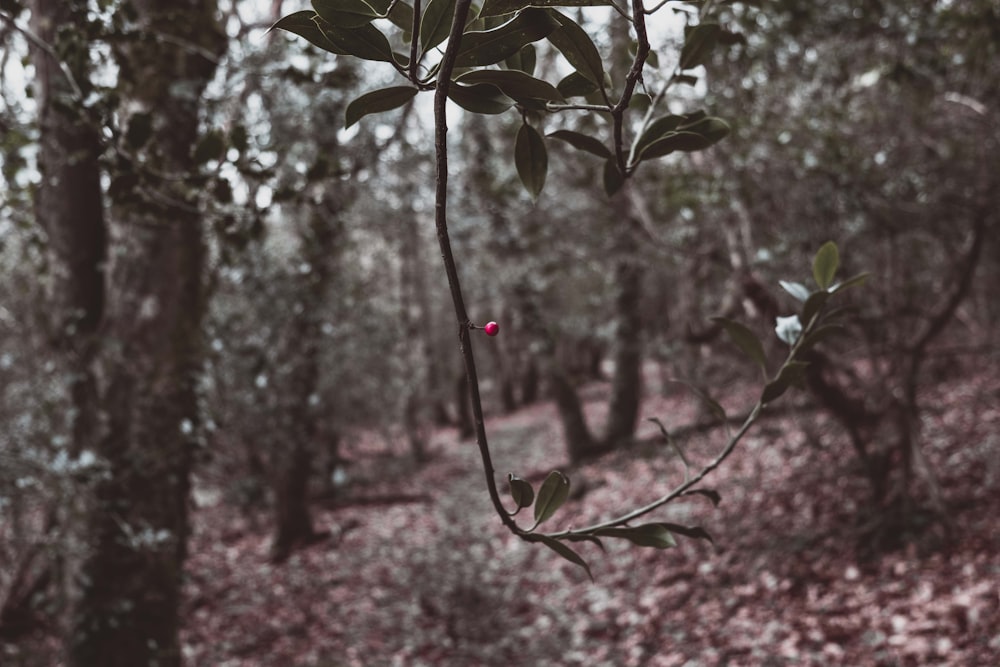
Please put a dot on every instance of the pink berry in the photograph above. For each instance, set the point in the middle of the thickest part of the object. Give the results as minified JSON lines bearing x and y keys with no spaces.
{"x":491,"y":328}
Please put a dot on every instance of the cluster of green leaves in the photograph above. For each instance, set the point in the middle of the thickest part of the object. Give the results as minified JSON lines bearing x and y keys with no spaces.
{"x":494,"y":71}
{"x":818,"y":317}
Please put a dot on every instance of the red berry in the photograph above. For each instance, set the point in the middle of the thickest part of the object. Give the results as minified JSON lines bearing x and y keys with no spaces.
{"x":491,"y":328}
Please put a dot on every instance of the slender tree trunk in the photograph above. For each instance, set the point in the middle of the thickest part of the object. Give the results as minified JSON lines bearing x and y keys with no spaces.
{"x":293,"y":460}
{"x":131,"y":577}
{"x":626,"y":383}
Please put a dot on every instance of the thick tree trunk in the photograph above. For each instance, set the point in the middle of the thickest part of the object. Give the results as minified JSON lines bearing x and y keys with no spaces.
{"x":70,"y":210}
{"x":130,"y":582}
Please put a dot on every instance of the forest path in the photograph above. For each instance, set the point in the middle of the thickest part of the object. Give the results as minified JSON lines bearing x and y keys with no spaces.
{"x":440,"y":582}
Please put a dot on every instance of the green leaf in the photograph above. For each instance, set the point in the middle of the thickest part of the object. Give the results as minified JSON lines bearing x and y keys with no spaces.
{"x":524,"y":60}
{"x":345,"y":13}
{"x":698,"y":45}
{"x":853,"y":281}
{"x":514,"y":84}
{"x":400,"y":13}
{"x":304,"y":25}
{"x":586,"y":538}
{"x":797,"y":290}
{"x":613,"y":179}
{"x":813,"y":305}
{"x":744,"y":339}
{"x":694,"y":532}
{"x":713,"y":129}
{"x":482,"y":98}
{"x":502,"y":7}
{"x":435,"y":23}
{"x":520,"y":491}
{"x":791,"y":373}
{"x":577,"y":48}
{"x":575,"y":84}
{"x":582,"y":142}
{"x":819,"y":335}
{"x":531,"y":159}
{"x":675,"y":141}
{"x":640,"y":103}
{"x":377,"y":101}
{"x":825,"y":264}
{"x":562,"y":550}
{"x":365,"y":42}
{"x":686,"y":79}
{"x":647,"y":535}
{"x":479,"y":48}
{"x":551,"y":496}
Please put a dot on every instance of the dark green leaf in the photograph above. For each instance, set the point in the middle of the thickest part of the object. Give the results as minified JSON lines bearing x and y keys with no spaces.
{"x":698,"y":45}
{"x":492,"y":46}
{"x":521,"y":491}
{"x":825,"y":264}
{"x":694,"y":532}
{"x":854,"y":281}
{"x":562,"y":550}
{"x":586,"y":538}
{"x":687,"y":79}
{"x":744,"y":339}
{"x":675,"y":141}
{"x":656,"y":130}
{"x":531,"y":159}
{"x":647,"y":535}
{"x":502,"y":7}
{"x":791,"y":373}
{"x":551,"y":495}
{"x":713,"y":129}
{"x":813,"y":305}
{"x":401,"y":13}
{"x":640,"y":103}
{"x":304,"y":25}
{"x":575,"y":84}
{"x":435,"y":23}
{"x":377,"y":101}
{"x":514,"y":84}
{"x":523,"y":60}
{"x":819,"y":335}
{"x":578,"y":49}
{"x":582,"y":142}
{"x":613,"y":179}
{"x":798,"y":290}
{"x":365,"y":42}
{"x":345,"y":13}
{"x":483,"y":98}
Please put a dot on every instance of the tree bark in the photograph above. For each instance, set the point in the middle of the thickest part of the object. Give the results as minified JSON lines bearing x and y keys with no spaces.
{"x":130,"y":584}
{"x":626,"y":383}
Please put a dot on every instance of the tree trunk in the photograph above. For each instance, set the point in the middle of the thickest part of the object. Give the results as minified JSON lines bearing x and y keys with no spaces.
{"x":626,"y":384}
{"x":131,"y":576}
{"x":69,"y":208}
{"x":293,"y":460}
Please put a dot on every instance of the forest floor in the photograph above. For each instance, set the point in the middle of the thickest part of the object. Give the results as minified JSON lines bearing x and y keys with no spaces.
{"x":418,"y":570}
{"x":430,"y":576}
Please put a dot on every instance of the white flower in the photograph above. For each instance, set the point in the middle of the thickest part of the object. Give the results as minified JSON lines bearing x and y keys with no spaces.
{"x":788,"y":329}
